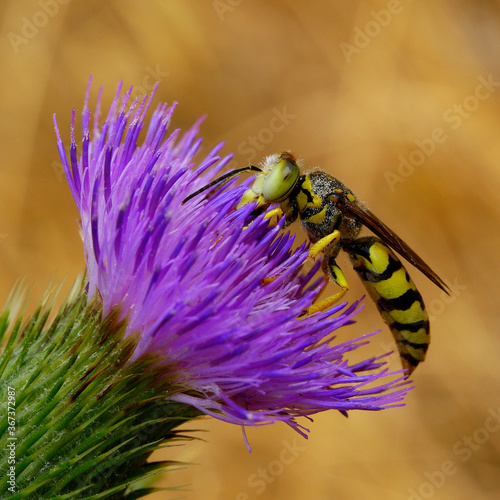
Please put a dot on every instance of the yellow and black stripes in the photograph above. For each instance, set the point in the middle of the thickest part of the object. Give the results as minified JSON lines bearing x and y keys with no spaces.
{"x":318,"y":213}
{"x":301,"y":198}
{"x":333,"y":217}
{"x":399,"y":302}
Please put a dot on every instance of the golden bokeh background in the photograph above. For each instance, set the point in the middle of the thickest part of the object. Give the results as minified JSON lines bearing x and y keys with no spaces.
{"x":399,"y":99}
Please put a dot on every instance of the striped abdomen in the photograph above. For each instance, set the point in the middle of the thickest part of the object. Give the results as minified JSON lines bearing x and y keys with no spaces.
{"x":399,"y":302}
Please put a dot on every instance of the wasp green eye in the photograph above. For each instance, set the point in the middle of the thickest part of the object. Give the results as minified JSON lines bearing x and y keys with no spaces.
{"x":280,"y":181}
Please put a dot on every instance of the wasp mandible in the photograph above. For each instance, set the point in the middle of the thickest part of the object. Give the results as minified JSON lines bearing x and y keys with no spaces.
{"x":332,"y":216}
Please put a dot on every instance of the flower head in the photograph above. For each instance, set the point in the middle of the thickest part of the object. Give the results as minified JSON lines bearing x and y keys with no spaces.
{"x":214,"y":298}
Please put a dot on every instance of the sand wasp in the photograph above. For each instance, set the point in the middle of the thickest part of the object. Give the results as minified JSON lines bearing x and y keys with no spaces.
{"x":333,"y":217}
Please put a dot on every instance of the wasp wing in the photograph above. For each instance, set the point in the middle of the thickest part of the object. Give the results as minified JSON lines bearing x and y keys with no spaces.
{"x":387,"y":235}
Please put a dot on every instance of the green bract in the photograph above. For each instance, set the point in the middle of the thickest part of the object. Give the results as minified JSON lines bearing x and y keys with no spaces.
{"x":84,"y":418}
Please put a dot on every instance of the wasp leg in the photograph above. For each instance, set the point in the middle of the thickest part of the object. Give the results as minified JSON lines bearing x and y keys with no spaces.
{"x":269,"y":215}
{"x":330,"y":268}
{"x":332,"y":238}
{"x":275,"y":211}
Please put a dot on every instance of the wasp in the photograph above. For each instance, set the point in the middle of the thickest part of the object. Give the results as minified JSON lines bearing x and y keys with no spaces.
{"x":332,"y":217}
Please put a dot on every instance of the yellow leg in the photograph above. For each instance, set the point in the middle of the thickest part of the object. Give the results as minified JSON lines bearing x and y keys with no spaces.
{"x":275,"y":211}
{"x":330,"y":267}
{"x":324,"y":304}
{"x":320,"y":245}
{"x":269,"y":215}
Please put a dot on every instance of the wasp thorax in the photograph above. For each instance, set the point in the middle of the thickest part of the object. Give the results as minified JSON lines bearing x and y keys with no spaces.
{"x":280,"y":181}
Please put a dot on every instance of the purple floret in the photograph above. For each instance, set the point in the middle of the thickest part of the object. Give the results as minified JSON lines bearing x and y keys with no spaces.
{"x":193,"y":279}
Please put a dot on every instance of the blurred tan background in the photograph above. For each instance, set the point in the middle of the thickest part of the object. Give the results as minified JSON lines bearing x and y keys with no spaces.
{"x":398,"y":99}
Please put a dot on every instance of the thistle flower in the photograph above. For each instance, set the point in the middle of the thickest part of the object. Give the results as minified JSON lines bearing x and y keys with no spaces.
{"x":215,"y":300}
{"x":186,"y":310}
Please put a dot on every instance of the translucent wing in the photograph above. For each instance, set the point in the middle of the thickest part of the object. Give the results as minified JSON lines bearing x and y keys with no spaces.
{"x":372,"y":222}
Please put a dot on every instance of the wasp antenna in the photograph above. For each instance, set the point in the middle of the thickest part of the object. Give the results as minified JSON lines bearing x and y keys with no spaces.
{"x":226,"y":177}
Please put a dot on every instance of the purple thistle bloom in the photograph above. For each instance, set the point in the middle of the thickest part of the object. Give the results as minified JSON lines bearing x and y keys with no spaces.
{"x":189,"y":278}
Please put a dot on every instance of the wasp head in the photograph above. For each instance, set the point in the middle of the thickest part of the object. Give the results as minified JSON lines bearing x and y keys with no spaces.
{"x":279,"y":176}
